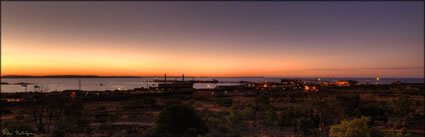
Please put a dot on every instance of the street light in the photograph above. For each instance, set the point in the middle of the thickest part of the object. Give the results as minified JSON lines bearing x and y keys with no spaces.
{"x":377,"y":80}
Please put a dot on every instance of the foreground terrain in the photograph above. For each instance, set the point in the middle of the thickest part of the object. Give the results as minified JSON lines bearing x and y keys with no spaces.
{"x":385,"y":110}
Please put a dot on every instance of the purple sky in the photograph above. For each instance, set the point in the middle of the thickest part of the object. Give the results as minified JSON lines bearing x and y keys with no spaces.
{"x":353,"y":39}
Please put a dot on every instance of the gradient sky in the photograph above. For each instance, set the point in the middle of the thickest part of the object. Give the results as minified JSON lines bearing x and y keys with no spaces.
{"x":271,"y":39}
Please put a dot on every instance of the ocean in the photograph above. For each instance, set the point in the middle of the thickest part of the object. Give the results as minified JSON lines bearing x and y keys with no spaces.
{"x":102,"y":84}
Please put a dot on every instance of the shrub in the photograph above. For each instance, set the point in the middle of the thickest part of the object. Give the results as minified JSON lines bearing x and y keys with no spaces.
{"x":179,"y":120}
{"x":359,"y":127}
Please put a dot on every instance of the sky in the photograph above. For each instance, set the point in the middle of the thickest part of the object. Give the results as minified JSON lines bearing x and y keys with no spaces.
{"x":219,"y":39}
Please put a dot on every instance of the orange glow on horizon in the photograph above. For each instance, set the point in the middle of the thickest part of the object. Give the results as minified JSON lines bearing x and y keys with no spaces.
{"x":264,"y":40}
{"x":107,"y":59}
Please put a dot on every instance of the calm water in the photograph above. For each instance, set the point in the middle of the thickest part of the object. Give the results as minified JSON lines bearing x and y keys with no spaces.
{"x":94,"y":84}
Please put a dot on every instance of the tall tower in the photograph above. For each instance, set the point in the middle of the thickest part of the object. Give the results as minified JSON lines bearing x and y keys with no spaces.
{"x":79,"y":84}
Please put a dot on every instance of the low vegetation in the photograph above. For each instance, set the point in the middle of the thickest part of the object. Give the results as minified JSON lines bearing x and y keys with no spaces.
{"x":324,"y":113}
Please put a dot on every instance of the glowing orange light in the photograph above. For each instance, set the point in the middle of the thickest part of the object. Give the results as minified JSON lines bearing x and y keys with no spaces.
{"x":306,"y":88}
{"x":341,"y":83}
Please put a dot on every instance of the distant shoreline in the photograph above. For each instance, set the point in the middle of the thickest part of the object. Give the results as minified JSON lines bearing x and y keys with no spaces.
{"x":94,"y":76}
{"x":68,"y":76}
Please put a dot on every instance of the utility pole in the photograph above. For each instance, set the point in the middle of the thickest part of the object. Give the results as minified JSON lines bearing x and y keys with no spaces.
{"x":165,"y":78}
{"x":79,"y":84}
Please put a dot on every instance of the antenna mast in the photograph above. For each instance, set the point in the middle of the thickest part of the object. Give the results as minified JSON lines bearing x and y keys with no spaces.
{"x":79,"y":84}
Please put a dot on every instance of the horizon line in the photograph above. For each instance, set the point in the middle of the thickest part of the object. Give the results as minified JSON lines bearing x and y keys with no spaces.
{"x":177,"y":76}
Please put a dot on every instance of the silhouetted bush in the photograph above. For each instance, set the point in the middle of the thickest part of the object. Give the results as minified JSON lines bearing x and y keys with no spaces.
{"x":348,"y":106}
{"x":225,"y":102}
{"x":58,"y":133}
{"x":179,"y":120}
{"x":150,"y":101}
{"x":13,"y":126}
{"x":359,"y":127}
{"x":305,"y":126}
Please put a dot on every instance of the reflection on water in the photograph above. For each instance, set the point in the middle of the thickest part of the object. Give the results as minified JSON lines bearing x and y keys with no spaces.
{"x":101,"y":84}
